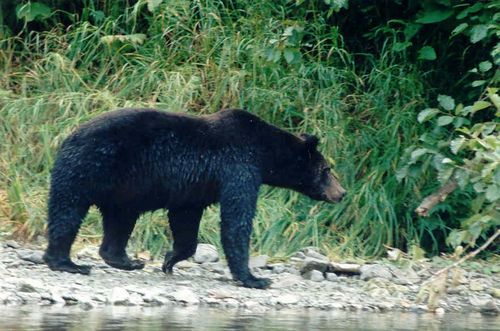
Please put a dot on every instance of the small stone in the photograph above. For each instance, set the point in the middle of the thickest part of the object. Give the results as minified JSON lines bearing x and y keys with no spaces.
{"x":495,"y":292}
{"x":118,"y":296}
{"x":439,"y":311}
{"x":259,"y":261}
{"x":313,"y":253}
{"x":298,"y":256}
{"x":287,"y":281}
{"x":185,"y":264}
{"x":314,"y":275}
{"x":222,"y":294}
{"x":479,"y":302}
{"x":370,"y":271}
{"x":89,"y":252}
{"x":278,"y":268}
{"x":206,"y":253}
{"x":34,"y":256}
{"x":380,"y":293}
{"x":287,"y":299}
{"x":310,"y":264}
{"x":135,"y":299}
{"x":30,"y":285}
{"x":332,"y":277}
{"x":476,"y":285}
{"x":489,"y":308}
{"x":394,"y":254}
{"x":250,"y":304}
{"x":346,"y":268}
{"x":11,"y":244}
{"x":231,"y":303}
{"x":384,"y":305}
{"x":185,"y":295}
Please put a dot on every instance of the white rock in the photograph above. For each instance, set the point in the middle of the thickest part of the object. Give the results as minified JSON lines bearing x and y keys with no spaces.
{"x":35,"y":256}
{"x":259,"y":261}
{"x":313,"y":253}
{"x":370,"y":271}
{"x":314,"y":275}
{"x":231,"y":303}
{"x":185,"y":295}
{"x":476,"y":285}
{"x":439,"y":311}
{"x":332,"y":277}
{"x":119,"y":296}
{"x":206,"y":253}
{"x":135,"y":299}
{"x":287,"y":281}
{"x":310,"y":264}
{"x":287,"y":299}
{"x":89,"y":252}
{"x":30,"y":286}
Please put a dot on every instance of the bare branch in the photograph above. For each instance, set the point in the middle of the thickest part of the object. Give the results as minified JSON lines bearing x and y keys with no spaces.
{"x":432,"y":200}
{"x":470,"y":255}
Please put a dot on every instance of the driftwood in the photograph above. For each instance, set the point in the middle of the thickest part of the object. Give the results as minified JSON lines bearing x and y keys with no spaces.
{"x":432,"y":200}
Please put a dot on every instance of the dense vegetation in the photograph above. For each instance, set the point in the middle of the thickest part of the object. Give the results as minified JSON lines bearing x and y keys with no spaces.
{"x":402,"y":93}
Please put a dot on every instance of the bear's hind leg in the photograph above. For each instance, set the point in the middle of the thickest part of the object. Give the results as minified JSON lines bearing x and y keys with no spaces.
{"x":184,"y":224}
{"x":117,"y":227}
{"x":63,"y":225}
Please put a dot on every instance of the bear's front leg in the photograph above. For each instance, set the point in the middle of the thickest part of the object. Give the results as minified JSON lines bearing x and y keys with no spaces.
{"x":238,"y":204}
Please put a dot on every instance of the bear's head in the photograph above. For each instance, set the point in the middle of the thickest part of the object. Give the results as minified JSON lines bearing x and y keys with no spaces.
{"x":314,"y":176}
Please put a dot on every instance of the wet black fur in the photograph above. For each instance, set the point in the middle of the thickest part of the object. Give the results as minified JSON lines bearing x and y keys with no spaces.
{"x":131,"y":161}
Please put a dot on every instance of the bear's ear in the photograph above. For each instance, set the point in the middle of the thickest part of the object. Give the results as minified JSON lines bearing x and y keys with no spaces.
{"x":310,"y":141}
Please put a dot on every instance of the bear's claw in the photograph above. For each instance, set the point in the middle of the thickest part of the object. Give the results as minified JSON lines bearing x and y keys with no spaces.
{"x":68,"y":266}
{"x":259,"y":283}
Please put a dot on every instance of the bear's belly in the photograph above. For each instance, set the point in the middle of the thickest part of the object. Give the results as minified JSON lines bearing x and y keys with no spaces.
{"x":160,"y":197}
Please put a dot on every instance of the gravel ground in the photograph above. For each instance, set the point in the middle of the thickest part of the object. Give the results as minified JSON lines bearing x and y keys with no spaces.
{"x":307,"y":281}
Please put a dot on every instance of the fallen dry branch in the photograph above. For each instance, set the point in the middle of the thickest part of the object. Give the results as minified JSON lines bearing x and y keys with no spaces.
{"x":430,"y":201}
{"x":435,"y":287}
{"x":471,"y":254}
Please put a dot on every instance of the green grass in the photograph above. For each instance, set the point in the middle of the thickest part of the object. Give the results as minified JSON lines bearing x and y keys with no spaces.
{"x":363,"y":108}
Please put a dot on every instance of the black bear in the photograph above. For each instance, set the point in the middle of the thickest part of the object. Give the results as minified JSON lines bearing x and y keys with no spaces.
{"x":131,"y":161}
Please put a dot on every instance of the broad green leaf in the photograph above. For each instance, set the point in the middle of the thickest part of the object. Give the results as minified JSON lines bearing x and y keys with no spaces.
{"x":462,"y":177}
{"x":456,"y":238}
{"x":479,"y":105}
{"x":456,"y":144}
{"x":459,"y":29}
{"x":444,"y":120}
{"x":411,"y":30}
{"x":292,"y":55}
{"x":478,"y":33}
{"x":427,"y":53}
{"x":427,"y":114}
{"x":485,"y":66}
{"x":472,"y":9}
{"x":416,"y":154}
{"x":272,"y":54}
{"x":153,"y":4}
{"x":434,"y":16}
{"x":32,"y":11}
{"x":401,"y":46}
{"x":446,"y":102}
{"x":475,"y":230}
{"x":493,"y":192}
{"x":477,"y":83}
{"x":494,"y":97}
{"x":478,"y":187}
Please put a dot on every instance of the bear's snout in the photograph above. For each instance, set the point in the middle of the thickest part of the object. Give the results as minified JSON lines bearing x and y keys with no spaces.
{"x":334,"y":191}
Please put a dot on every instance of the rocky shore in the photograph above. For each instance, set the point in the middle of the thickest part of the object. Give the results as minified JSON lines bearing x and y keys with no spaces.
{"x":308,"y":280}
